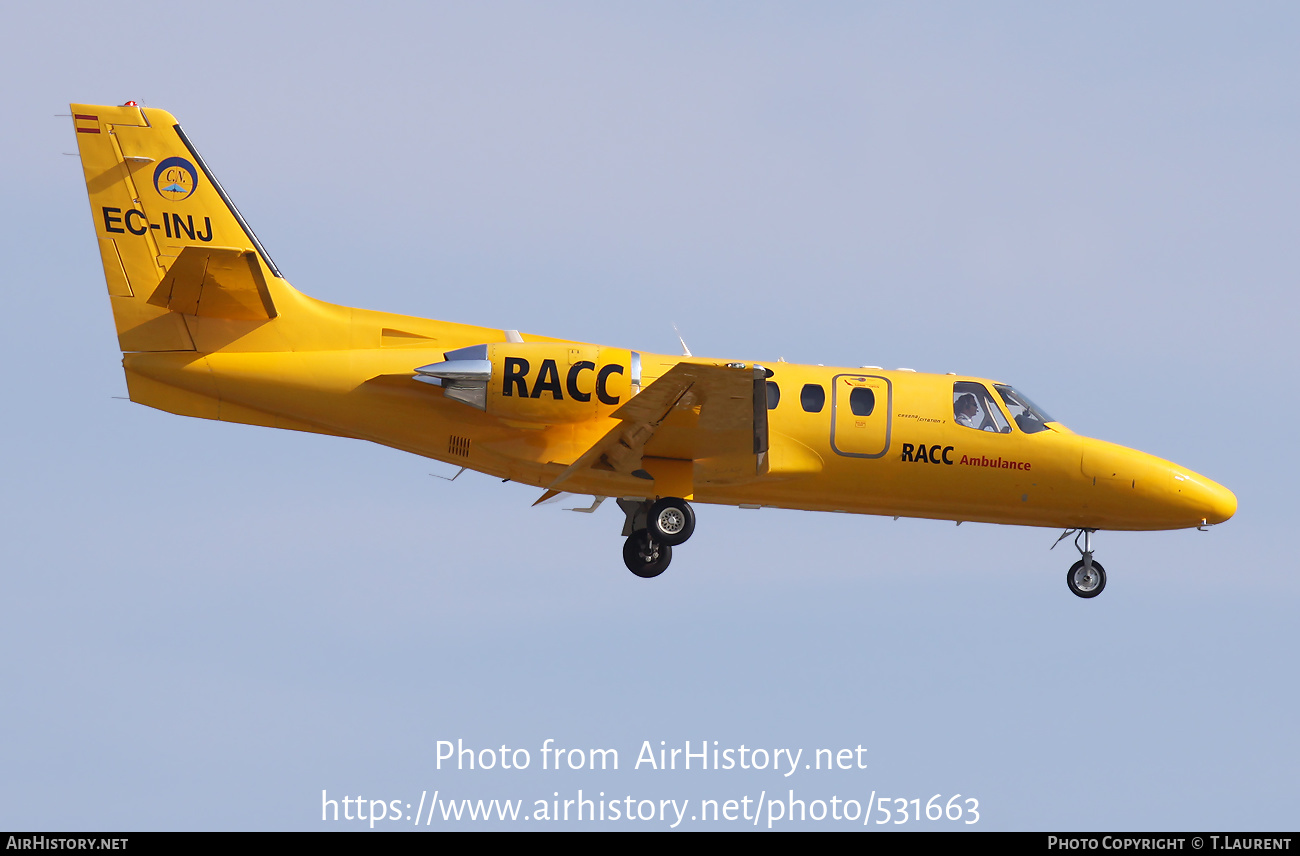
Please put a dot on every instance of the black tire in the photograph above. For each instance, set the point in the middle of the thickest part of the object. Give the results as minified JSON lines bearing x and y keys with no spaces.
{"x":1083,"y":585}
{"x":645,"y":556}
{"x":671,"y":521}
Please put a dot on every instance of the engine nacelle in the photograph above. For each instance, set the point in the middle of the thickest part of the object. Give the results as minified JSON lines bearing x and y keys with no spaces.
{"x":546,"y":382}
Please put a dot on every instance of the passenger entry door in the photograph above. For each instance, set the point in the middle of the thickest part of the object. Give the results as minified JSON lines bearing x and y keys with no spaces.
{"x":860,"y":418}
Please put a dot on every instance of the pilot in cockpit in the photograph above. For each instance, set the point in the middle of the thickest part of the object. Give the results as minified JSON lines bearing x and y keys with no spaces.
{"x":964,"y":409}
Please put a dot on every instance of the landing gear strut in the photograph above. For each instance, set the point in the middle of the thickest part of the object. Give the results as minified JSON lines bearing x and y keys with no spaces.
{"x":652,"y":530}
{"x":1085,"y":578}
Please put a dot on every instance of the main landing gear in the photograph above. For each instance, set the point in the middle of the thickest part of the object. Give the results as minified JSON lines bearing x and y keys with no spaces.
{"x":1085,"y":578}
{"x":652,"y":530}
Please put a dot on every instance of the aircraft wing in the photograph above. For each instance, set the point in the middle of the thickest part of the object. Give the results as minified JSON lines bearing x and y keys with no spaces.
{"x":698,"y":410}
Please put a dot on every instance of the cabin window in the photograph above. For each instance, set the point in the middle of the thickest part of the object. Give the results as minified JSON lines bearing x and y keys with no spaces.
{"x":974,"y":408}
{"x":812,"y":397}
{"x":773,"y":395}
{"x":862,"y":401}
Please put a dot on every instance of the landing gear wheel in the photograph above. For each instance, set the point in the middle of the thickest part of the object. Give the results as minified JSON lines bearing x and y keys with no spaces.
{"x":671,"y":521}
{"x":646,"y":556}
{"x":1085,"y":582}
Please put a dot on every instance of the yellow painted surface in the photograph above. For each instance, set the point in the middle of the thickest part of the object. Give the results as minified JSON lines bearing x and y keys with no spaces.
{"x":209,"y":329}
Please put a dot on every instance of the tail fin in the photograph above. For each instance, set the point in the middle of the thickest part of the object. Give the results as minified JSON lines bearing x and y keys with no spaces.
{"x":170,"y":240}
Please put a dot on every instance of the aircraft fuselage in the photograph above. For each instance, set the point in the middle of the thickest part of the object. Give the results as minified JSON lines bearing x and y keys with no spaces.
{"x":210,"y":328}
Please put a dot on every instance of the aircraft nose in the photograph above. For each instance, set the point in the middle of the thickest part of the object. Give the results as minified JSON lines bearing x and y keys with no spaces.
{"x":1165,"y":495}
{"x":1219,"y":502}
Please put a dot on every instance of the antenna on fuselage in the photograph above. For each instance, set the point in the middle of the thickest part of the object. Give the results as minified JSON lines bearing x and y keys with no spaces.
{"x":686,"y":352}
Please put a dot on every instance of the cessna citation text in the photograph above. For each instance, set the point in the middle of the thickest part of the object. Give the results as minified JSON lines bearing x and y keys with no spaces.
{"x":208,"y":327}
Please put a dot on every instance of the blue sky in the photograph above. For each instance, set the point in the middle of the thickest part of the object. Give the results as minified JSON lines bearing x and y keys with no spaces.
{"x":210,"y":624}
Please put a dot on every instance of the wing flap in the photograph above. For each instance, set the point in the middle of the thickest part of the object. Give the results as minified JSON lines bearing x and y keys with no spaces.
{"x":710,"y":406}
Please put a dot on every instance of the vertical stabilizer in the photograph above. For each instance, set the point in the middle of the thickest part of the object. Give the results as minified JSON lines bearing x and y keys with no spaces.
{"x":151,"y":198}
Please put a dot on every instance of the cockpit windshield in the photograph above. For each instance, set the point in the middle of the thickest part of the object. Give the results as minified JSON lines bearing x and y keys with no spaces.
{"x":1029,"y":418}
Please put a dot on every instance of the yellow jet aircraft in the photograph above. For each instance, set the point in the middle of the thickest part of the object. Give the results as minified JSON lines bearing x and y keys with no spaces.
{"x":209,"y":327}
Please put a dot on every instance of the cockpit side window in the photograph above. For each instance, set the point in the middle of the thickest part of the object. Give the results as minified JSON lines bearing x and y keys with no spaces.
{"x":1028,"y":418}
{"x":974,"y":408}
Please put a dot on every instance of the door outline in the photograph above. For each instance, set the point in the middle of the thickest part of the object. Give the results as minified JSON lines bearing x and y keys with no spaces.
{"x":836,"y":399}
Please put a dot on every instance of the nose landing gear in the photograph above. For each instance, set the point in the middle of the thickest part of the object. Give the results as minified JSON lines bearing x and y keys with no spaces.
{"x":652,"y":530}
{"x":1085,"y":578}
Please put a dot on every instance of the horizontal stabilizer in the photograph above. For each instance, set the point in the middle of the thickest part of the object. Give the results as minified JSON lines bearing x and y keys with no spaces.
{"x":216,"y":282}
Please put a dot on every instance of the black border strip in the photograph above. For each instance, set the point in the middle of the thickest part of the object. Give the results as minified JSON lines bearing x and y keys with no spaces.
{"x":261,"y":251}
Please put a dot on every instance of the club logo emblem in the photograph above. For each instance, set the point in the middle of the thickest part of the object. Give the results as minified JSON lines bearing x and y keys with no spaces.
{"x":175,"y":179}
